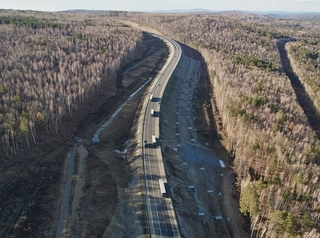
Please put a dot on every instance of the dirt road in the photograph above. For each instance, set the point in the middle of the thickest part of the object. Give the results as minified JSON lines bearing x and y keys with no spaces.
{"x":108,"y":198}
{"x":31,"y":186}
{"x":201,"y":190}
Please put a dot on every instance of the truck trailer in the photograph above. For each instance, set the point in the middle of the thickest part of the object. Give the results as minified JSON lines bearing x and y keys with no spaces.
{"x":162,"y":188}
{"x":154,"y":141}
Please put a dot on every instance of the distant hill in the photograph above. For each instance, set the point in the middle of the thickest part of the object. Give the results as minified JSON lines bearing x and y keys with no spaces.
{"x":309,"y":16}
{"x":282,"y":14}
{"x":199,"y":10}
{"x":312,"y":16}
{"x":85,"y":11}
{"x":274,"y":14}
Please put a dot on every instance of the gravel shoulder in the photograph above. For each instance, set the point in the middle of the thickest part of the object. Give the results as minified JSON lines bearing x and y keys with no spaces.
{"x":107,"y":198}
{"x":32,"y":185}
{"x":112,"y":200}
{"x":203,"y":193}
{"x":190,"y":171}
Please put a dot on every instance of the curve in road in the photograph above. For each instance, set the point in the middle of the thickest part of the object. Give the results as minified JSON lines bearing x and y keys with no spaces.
{"x":161,"y":216}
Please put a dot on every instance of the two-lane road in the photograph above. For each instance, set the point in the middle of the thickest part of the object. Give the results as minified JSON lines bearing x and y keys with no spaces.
{"x":161,"y":216}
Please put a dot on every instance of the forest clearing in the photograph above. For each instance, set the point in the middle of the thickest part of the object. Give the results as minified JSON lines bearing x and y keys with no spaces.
{"x":255,"y":101}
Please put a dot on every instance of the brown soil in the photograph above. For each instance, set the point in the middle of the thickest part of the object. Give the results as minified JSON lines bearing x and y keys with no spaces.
{"x":108,"y":196}
{"x":210,"y":129}
{"x":189,"y":202}
{"x":31,"y":185}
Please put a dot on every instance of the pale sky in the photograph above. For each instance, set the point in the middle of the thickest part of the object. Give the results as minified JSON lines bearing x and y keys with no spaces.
{"x":152,"y":5}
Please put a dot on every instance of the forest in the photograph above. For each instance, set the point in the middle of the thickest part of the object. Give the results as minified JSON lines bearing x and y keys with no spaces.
{"x":305,"y":58}
{"x":276,"y":152}
{"x":49,"y":66}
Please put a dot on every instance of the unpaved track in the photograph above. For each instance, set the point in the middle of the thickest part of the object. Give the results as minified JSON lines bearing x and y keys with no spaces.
{"x":111,"y":201}
{"x":238,"y":226}
{"x":32,"y":185}
{"x":189,"y":80}
{"x":302,"y":96}
{"x":69,"y":220}
{"x":71,"y":161}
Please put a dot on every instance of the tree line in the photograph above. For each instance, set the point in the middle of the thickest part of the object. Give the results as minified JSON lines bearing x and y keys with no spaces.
{"x":46,"y":72}
{"x":304,"y":57}
{"x":32,"y":22}
{"x":275,"y":150}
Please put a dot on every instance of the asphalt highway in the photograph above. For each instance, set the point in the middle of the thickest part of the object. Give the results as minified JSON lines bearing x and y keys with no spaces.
{"x":161,"y":216}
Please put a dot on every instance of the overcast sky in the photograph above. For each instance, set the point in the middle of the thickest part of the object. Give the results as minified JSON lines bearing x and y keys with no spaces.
{"x":152,"y":5}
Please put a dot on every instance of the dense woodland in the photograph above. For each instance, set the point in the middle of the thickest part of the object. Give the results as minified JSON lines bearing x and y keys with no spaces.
{"x":50,"y":66}
{"x":305,"y":61}
{"x":276,"y":153}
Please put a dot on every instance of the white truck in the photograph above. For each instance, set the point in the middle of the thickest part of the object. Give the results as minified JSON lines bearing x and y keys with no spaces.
{"x":154,"y":141}
{"x":162,"y":188}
